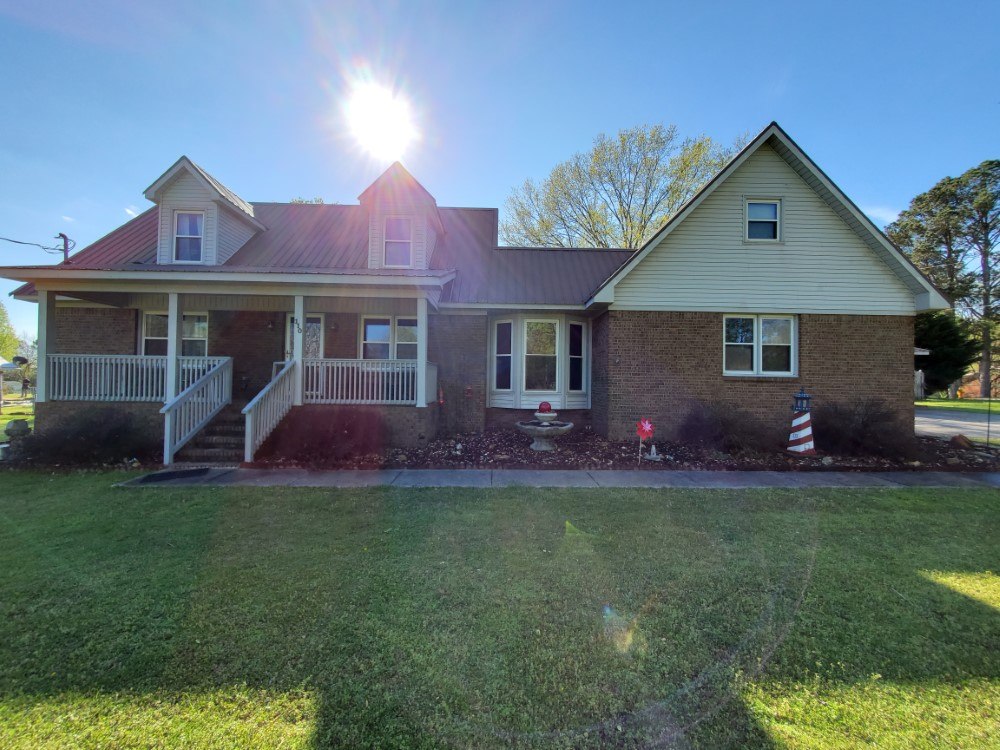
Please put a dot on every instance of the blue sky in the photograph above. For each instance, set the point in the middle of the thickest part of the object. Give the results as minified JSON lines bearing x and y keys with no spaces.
{"x":101,"y":97}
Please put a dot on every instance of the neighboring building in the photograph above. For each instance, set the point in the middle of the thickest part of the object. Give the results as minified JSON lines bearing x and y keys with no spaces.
{"x":767,"y":281}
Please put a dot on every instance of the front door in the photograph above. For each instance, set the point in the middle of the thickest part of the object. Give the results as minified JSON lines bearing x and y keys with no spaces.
{"x":313,"y":337}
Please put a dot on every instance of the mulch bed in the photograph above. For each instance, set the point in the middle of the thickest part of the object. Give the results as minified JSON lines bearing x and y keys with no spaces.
{"x":504,"y":448}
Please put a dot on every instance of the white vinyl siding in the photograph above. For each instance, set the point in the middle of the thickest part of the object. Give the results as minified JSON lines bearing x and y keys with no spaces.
{"x":185,"y":193}
{"x":233,"y":234}
{"x":819,"y":266}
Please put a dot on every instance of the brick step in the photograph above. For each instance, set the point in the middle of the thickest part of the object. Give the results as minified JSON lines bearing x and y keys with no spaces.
{"x":189,"y":454}
{"x":224,"y":428}
{"x":218,"y":441}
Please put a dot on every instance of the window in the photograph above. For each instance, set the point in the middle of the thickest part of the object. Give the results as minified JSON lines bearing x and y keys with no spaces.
{"x":188,"y":235}
{"x":406,"y":338}
{"x":194,"y":336}
{"x":376,"y":338}
{"x":758,"y":345}
{"x":383,"y":337}
{"x":398,"y":243}
{"x":576,"y":356}
{"x":763,"y":218}
{"x":540,"y":358}
{"x":504,"y":355}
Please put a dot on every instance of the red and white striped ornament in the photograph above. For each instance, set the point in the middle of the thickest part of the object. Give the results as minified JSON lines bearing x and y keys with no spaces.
{"x":801,"y":438}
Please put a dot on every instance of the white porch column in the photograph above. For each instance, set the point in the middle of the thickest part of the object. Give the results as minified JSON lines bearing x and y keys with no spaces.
{"x":175,"y":334}
{"x":298,"y":347}
{"x":421,"y":351}
{"x":46,"y":342}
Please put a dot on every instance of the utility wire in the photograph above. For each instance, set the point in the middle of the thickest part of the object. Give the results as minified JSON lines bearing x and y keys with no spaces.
{"x":55,"y":250}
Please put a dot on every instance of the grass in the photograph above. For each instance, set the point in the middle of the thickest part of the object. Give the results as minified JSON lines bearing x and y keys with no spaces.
{"x":966,"y":405}
{"x":232,"y":618}
{"x":16,"y":410}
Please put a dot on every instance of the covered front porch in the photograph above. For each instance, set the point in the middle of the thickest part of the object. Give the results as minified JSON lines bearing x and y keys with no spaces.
{"x":197,"y":353}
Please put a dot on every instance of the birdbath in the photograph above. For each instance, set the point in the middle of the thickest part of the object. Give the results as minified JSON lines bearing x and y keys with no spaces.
{"x":544,"y":427}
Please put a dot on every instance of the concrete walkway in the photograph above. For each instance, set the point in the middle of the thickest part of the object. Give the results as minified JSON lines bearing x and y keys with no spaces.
{"x":945,"y":423}
{"x":552,"y":478}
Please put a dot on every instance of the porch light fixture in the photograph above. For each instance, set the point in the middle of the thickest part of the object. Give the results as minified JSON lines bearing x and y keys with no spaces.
{"x":270,"y":325}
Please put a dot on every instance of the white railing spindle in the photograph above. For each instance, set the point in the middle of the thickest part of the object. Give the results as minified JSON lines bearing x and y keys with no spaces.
{"x":267,"y":409}
{"x":194,"y":407}
{"x":360,"y":381}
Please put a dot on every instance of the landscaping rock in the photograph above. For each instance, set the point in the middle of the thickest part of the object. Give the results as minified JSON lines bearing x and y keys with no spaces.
{"x":961,"y":441}
{"x":17,"y":428}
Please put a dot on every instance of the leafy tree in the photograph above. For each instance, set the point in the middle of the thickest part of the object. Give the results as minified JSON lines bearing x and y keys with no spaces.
{"x":8,"y":338}
{"x":951,"y":233}
{"x":980,"y":196}
{"x":930,"y":233}
{"x":27,"y":347}
{"x":953,"y":347}
{"x":617,"y":194}
{"x":316,"y":201}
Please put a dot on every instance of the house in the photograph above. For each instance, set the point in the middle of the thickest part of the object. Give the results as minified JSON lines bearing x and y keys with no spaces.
{"x":767,"y":281}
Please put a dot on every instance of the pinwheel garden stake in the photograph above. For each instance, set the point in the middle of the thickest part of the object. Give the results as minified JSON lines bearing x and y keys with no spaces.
{"x":644,"y":429}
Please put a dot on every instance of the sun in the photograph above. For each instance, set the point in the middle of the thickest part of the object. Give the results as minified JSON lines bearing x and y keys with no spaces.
{"x":380,"y":120}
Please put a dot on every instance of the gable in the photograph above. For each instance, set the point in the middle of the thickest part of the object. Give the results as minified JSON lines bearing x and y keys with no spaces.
{"x":820,"y":266}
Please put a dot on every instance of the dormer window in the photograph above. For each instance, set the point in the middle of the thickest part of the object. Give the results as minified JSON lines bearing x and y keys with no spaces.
{"x":398,"y":243}
{"x":189,"y":233}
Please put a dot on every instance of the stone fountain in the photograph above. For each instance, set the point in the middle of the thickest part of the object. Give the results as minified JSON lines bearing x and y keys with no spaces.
{"x":544,"y":427}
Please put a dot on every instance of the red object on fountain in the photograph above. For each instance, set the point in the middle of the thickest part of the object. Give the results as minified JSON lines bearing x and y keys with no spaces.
{"x":545,"y":407}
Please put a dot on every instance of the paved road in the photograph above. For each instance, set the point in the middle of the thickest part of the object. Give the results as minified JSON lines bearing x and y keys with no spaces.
{"x":947,"y":422}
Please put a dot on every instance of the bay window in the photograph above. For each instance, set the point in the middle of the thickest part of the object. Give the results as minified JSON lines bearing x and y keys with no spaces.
{"x":534,"y":358}
{"x":759,"y":345}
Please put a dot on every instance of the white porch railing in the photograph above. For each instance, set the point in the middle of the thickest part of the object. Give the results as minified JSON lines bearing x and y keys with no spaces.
{"x":194,"y":407}
{"x":360,"y":381}
{"x":119,"y":377}
{"x":267,"y":409}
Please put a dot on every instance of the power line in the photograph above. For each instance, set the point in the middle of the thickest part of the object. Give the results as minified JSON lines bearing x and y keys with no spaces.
{"x":54,"y":249}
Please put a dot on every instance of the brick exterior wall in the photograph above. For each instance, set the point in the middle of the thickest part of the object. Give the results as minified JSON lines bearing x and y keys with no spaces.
{"x":406,"y":426}
{"x":341,"y":343}
{"x":254,"y":346}
{"x":51,"y":415}
{"x":457,"y":345}
{"x":95,"y":330}
{"x":658,"y":364}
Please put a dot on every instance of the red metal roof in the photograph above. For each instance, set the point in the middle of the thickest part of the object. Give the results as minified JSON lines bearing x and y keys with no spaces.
{"x":310,"y":238}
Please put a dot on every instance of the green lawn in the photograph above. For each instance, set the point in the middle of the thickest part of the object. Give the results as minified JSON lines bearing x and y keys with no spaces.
{"x":387,"y":618}
{"x":15,"y":410}
{"x":961,"y":405}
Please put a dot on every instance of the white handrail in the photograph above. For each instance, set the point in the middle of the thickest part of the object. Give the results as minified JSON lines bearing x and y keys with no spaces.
{"x":118,"y":377}
{"x":194,"y":407}
{"x":267,"y":409}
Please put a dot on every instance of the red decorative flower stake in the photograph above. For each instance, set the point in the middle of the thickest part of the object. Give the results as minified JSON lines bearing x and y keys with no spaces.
{"x":644,"y":429}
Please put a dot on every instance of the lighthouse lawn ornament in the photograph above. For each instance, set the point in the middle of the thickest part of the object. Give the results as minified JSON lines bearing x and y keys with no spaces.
{"x":800,"y":441}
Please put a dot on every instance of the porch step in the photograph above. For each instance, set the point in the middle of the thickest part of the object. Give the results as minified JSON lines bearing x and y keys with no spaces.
{"x":221,"y":442}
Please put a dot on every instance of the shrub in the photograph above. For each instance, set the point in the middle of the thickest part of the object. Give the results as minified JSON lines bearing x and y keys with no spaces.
{"x":726,"y":428}
{"x":865,"y":427}
{"x":322,"y":435}
{"x":101,"y":435}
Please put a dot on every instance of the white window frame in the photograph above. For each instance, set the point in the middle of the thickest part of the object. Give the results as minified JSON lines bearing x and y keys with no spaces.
{"x":758,"y":346}
{"x":143,"y":337}
{"x":176,"y":236}
{"x":496,"y":355}
{"x":289,"y":345}
{"x":393,"y":337}
{"x":582,"y":356}
{"x":525,"y":355}
{"x":385,"y":240}
{"x":778,"y":230}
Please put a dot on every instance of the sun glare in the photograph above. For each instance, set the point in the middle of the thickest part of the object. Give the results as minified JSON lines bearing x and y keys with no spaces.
{"x":380,"y":121}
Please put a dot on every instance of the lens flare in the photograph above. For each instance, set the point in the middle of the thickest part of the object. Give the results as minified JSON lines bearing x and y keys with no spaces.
{"x":380,"y":120}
